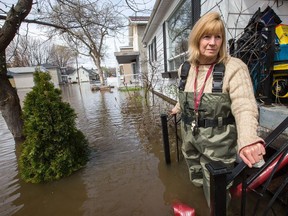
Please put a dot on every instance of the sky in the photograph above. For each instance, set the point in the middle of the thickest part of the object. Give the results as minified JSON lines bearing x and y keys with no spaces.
{"x":144,"y":6}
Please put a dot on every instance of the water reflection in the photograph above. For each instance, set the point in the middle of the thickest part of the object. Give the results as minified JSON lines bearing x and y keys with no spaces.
{"x":8,"y":169}
{"x":126,"y":173}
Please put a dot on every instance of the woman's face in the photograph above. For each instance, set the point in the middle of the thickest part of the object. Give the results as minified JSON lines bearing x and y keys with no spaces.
{"x":209,"y":48}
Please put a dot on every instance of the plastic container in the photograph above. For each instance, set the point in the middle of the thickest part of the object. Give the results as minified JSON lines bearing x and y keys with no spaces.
{"x":282,"y":54}
{"x":281,"y":31}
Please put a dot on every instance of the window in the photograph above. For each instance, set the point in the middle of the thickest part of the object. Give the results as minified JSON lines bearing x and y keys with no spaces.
{"x":153,"y":50}
{"x":179,"y":27}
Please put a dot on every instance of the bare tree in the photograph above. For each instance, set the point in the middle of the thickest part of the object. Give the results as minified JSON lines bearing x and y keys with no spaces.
{"x":61,"y":56}
{"x":9,"y":100}
{"x":28,"y":51}
{"x":86,"y":25}
{"x":139,"y":6}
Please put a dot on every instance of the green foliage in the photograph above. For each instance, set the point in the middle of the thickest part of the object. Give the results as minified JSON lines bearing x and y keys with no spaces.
{"x":171,"y":90}
{"x":53,"y":147}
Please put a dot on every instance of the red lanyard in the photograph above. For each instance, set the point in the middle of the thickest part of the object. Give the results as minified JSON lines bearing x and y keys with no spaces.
{"x":197,"y":97}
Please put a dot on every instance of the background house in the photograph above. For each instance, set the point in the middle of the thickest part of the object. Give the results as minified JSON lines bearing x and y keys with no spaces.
{"x":132,"y":59}
{"x":83,"y":74}
{"x":23,"y":76}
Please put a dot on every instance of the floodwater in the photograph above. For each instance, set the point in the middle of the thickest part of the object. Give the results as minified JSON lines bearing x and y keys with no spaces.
{"x":126,"y":174}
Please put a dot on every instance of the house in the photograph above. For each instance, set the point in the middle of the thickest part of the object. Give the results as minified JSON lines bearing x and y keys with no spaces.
{"x":166,"y":35}
{"x":64,"y":74}
{"x":132,"y":59}
{"x":166,"y":38}
{"x":83,"y":75}
{"x":23,"y":76}
{"x":55,"y":73}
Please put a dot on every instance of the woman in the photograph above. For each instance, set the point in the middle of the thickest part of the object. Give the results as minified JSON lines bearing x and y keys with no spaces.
{"x":216,"y":126}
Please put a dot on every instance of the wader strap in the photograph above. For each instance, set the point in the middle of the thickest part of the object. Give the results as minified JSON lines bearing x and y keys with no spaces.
{"x":218,"y":74}
{"x":204,"y":122}
{"x":218,"y":122}
{"x":184,"y":74}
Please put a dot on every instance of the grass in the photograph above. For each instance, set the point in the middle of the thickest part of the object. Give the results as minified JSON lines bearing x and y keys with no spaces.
{"x":126,"y":88}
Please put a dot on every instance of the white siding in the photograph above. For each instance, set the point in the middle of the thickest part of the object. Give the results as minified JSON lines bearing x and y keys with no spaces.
{"x":54,"y":77}
{"x":24,"y":81}
{"x":135,"y":38}
{"x":83,"y":75}
{"x":236,"y":15}
{"x":73,"y":77}
{"x":165,"y":86}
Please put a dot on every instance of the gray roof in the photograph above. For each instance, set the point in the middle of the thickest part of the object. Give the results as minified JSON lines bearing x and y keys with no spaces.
{"x":139,"y":18}
{"x":49,"y":66}
{"x":90,"y":71}
{"x":25,"y":70}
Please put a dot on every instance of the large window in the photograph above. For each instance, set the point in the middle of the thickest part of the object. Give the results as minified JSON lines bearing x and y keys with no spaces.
{"x":179,"y":26}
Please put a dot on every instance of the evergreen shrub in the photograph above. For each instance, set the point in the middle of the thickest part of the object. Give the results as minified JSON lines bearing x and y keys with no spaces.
{"x":53,"y":146}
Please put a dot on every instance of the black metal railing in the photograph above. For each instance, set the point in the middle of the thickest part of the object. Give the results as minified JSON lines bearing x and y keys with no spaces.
{"x":165,"y":135}
{"x":221,"y":176}
{"x":164,"y":122}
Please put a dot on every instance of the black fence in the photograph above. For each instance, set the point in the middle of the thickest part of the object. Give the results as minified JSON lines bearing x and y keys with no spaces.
{"x":221,"y":176}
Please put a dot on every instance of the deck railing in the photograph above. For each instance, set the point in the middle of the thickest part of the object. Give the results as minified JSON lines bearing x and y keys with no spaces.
{"x":221,"y":176}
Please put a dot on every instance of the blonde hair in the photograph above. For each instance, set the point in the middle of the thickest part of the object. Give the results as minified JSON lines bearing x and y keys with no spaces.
{"x":210,"y":23}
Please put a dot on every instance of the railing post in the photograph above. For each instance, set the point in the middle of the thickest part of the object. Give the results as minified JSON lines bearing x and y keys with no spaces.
{"x":218,"y":184}
{"x":165,"y":138}
{"x":176,"y":135}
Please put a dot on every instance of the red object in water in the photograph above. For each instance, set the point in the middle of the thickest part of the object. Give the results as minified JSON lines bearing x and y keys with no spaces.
{"x":262,"y":177}
{"x":181,"y":209}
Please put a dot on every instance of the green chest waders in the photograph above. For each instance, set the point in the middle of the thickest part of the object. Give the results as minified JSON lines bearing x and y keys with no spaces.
{"x":215,"y":139}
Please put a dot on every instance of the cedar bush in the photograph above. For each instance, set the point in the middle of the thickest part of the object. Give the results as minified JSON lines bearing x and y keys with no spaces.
{"x":53,"y":146}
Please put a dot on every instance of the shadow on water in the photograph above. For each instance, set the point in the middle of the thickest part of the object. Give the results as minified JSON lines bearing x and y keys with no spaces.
{"x":126,"y":173}
{"x":8,"y":169}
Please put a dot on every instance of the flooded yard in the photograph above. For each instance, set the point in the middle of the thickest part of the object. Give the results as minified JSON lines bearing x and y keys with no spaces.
{"x":126,"y":173}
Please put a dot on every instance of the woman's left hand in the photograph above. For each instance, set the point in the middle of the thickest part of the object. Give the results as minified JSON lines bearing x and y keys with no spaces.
{"x":252,"y":154}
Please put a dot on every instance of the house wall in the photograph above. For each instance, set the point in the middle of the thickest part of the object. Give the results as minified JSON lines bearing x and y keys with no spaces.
{"x":166,"y":86}
{"x":72,"y":78}
{"x":141,"y":49}
{"x":236,"y":15}
{"x":130,"y":35}
{"x":24,"y":81}
{"x":54,"y":76}
{"x":127,"y":73}
{"x":135,"y":37}
{"x":83,"y":75}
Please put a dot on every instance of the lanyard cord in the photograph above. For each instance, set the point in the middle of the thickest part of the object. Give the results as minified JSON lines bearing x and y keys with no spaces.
{"x":197,"y":97}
